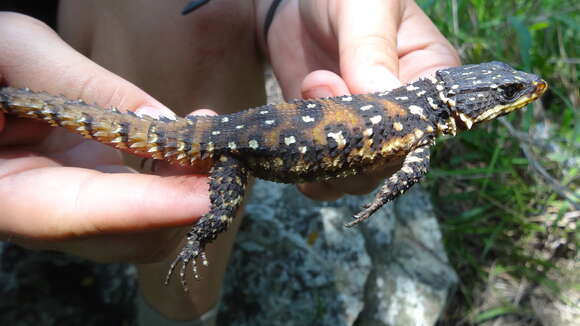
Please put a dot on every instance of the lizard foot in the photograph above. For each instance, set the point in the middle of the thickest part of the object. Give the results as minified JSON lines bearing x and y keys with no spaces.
{"x":189,"y":253}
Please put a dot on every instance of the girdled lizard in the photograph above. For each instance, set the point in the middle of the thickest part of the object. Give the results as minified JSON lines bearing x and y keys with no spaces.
{"x":299,"y":141}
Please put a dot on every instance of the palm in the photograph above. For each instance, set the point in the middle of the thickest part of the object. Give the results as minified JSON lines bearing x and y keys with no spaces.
{"x":296,"y":48}
{"x":60,"y":173}
{"x":305,"y":38}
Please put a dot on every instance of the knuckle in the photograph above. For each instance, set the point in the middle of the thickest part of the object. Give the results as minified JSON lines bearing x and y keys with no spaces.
{"x":13,"y":21}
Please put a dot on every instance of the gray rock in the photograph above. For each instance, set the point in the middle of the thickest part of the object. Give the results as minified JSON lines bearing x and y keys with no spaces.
{"x":49,"y":288}
{"x":296,"y":264}
{"x":411,"y":277}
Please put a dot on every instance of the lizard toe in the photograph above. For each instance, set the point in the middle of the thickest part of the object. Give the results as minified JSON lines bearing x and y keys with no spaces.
{"x":188,"y":254}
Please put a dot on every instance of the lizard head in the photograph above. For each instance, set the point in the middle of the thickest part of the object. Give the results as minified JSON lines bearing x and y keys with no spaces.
{"x":482,"y":92}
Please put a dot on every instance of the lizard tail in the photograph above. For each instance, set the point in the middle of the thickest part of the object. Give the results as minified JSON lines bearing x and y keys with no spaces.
{"x":176,"y":141}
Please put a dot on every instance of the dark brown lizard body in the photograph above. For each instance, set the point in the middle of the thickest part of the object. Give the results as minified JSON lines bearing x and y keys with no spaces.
{"x":304,"y":140}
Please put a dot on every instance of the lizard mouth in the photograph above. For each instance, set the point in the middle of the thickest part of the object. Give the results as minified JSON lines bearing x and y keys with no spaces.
{"x":541,"y":87}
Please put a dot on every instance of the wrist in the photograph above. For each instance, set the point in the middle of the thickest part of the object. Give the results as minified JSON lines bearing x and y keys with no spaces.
{"x":147,"y":315}
{"x":171,"y":301}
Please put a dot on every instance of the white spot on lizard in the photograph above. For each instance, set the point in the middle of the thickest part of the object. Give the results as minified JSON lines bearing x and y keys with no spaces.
{"x":253,"y":144}
{"x":289,"y":140}
{"x":432,"y":103}
{"x":417,"y":110}
{"x":397,"y":126}
{"x":376,"y":119}
{"x":338,"y":137}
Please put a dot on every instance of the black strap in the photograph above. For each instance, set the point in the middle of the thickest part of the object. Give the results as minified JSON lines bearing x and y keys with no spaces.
{"x":193,"y":5}
{"x":270,"y":17}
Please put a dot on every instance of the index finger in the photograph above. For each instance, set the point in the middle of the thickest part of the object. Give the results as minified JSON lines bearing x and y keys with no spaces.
{"x":422,"y":47}
{"x":32,"y":55}
{"x":367,"y":36}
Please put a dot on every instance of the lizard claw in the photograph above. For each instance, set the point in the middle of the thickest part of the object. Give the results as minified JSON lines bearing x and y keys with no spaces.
{"x":368,"y":210}
{"x":189,"y":253}
{"x":363,"y":215}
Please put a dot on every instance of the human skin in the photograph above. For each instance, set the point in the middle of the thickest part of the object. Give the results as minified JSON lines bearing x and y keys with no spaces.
{"x":78,"y":196}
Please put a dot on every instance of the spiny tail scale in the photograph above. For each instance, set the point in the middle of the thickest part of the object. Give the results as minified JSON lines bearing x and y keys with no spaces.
{"x":173,"y":140}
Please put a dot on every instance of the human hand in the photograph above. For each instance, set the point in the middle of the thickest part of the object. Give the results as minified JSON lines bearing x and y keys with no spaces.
{"x":322,"y":48}
{"x":63,"y":192}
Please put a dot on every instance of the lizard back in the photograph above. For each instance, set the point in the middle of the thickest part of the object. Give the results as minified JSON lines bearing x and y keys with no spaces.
{"x":303,"y":140}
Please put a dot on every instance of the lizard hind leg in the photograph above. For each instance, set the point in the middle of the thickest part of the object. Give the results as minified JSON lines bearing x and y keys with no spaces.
{"x":227,"y":184}
{"x":414,"y":167}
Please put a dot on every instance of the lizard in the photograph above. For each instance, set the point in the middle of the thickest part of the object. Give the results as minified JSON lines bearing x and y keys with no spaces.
{"x":298,"y":141}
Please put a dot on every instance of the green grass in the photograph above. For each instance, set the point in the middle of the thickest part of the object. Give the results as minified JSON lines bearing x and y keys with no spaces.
{"x":499,"y":216}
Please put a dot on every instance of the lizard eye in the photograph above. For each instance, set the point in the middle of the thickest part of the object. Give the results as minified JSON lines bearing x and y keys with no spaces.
{"x":511,"y":90}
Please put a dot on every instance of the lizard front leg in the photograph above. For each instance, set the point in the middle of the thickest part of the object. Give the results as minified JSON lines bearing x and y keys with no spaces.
{"x":227,"y":185}
{"x":414,"y":167}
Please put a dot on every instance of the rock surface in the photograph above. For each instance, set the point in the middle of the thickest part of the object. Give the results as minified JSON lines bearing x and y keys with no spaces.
{"x":295,"y":264}
{"x":47,"y":288}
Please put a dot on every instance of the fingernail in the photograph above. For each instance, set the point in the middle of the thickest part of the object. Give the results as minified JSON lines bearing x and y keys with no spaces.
{"x":155,"y":112}
{"x":378,"y":78}
{"x":317,"y":92}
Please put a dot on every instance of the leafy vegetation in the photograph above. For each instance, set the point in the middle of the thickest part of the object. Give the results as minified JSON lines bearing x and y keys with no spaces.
{"x":507,"y":193}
